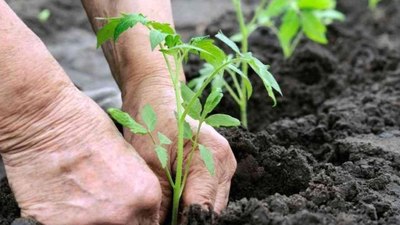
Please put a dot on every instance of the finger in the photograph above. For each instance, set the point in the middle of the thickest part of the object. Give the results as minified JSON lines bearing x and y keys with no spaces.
{"x":201,"y":187}
{"x":222,"y":197}
{"x":148,"y":154}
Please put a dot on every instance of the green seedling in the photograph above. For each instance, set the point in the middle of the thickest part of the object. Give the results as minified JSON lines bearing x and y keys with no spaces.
{"x":372,"y":4}
{"x":289,"y":20}
{"x":164,"y":38}
{"x":44,"y":15}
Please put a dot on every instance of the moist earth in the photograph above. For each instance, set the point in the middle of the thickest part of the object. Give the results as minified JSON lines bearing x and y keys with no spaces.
{"x":329,"y":152}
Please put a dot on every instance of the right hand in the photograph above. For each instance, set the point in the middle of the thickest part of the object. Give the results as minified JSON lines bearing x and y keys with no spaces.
{"x":68,"y":164}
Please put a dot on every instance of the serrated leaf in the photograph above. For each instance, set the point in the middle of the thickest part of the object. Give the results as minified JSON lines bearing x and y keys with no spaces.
{"x":149,"y":117}
{"x":276,"y":7}
{"x":211,"y":53}
{"x":316,"y":4}
{"x":245,"y":81}
{"x":221,"y":36}
{"x":187,"y":131}
{"x":127,"y":121}
{"x":164,"y":140}
{"x":222,"y":120}
{"x":156,"y":38}
{"x":208,"y":159}
{"x":107,"y":32}
{"x":313,"y":27}
{"x":187,"y":94}
{"x":162,"y":156}
{"x":173,"y":40}
{"x":162,"y":27}
{"x":288,"y":30}
{"x":267,"y":78}
{"x":128,"y":21}
{"x":212,"y":101}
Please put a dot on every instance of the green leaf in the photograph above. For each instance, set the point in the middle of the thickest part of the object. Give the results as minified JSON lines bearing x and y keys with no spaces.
{"x":44,"y":15}
{"x":316,"y":4}
{"x":205,"y":72}
{"x":162,"y":27}
{"x":162,"y":156}
{"x":128,"y":21}
{"x":107,"y":32}
{"x":221,"y":36}
{"x":187,"y":131}
{"x":156,"y":38}
{"x":164,"y":140}
{"x":288,"y":30}
{"x":173,"y":40}
{"x":149,"y":117}
{"x":328,"y":16}
{"x":245,"y":81}
{"x":237,"y":37}
{"x":208,"y":159}
{"x":313,"y":27}
{"x":127,"y":121}
{"x":267,"y":78}
{"x":373,"y":3}
{"x":276,"y":7}
{"x":222,"y":120}
{"x":187,"y":94}
{"x":211,"y":53}
{"x":212,"y":101}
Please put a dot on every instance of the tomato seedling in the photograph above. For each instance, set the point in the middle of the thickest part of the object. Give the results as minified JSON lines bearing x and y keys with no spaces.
{"x":164,"y":38}
{"x":289,"y":20}
{"x":372,"y":4}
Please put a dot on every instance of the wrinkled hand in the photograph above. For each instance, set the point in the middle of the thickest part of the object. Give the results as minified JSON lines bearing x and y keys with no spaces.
{"x":201,"y":188}
{"x":70,"y":165}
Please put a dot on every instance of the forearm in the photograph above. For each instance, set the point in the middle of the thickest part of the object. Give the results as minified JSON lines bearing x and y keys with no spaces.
{"x":131,"y":59}
{"x":30,"y":78}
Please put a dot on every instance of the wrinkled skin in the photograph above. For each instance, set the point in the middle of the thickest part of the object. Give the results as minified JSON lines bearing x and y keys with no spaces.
{"x":211,"y":192}
{"x":65,"y":160}
{"x":80,"y":171}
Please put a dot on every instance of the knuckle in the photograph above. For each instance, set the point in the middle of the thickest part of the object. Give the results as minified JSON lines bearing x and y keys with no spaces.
{"x":151,"y":195}
{"x":223,"y":150}
{"x":226,"y":158}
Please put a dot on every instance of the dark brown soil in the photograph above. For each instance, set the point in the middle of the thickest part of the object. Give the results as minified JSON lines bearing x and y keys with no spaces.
{"x":329,"y":153}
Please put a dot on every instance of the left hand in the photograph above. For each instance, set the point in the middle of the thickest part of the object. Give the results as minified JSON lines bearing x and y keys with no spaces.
{"x":201,"y":187}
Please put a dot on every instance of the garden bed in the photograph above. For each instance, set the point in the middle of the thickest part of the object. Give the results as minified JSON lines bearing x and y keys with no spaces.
{"x":329,"y":152}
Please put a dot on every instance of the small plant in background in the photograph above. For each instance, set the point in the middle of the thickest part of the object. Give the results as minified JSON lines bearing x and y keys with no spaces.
{"x":188,"y":104}
{"x":44,"y":15}
{"x":289,"y":20}
{"x":372,"y":4}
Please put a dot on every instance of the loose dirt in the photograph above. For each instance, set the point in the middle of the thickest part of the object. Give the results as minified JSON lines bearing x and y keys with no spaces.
{"x":329,"y":153}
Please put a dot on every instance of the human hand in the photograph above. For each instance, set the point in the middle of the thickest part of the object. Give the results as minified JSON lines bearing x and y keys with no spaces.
{"x":201,"y":188}
{"x":68,"y":164}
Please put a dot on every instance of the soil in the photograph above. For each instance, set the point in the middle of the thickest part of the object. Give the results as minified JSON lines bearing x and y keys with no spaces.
{"x":329,"y":152}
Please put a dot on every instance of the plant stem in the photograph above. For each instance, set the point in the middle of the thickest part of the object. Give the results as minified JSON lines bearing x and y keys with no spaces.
{"x":179,"y":157}
{"x":171,"y":182}
{"x":232,"y":93}
{"x":189,"y":162}
{"x":259,"y":9}
{"x":206,"y":83}
{"x":245,"y":68}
